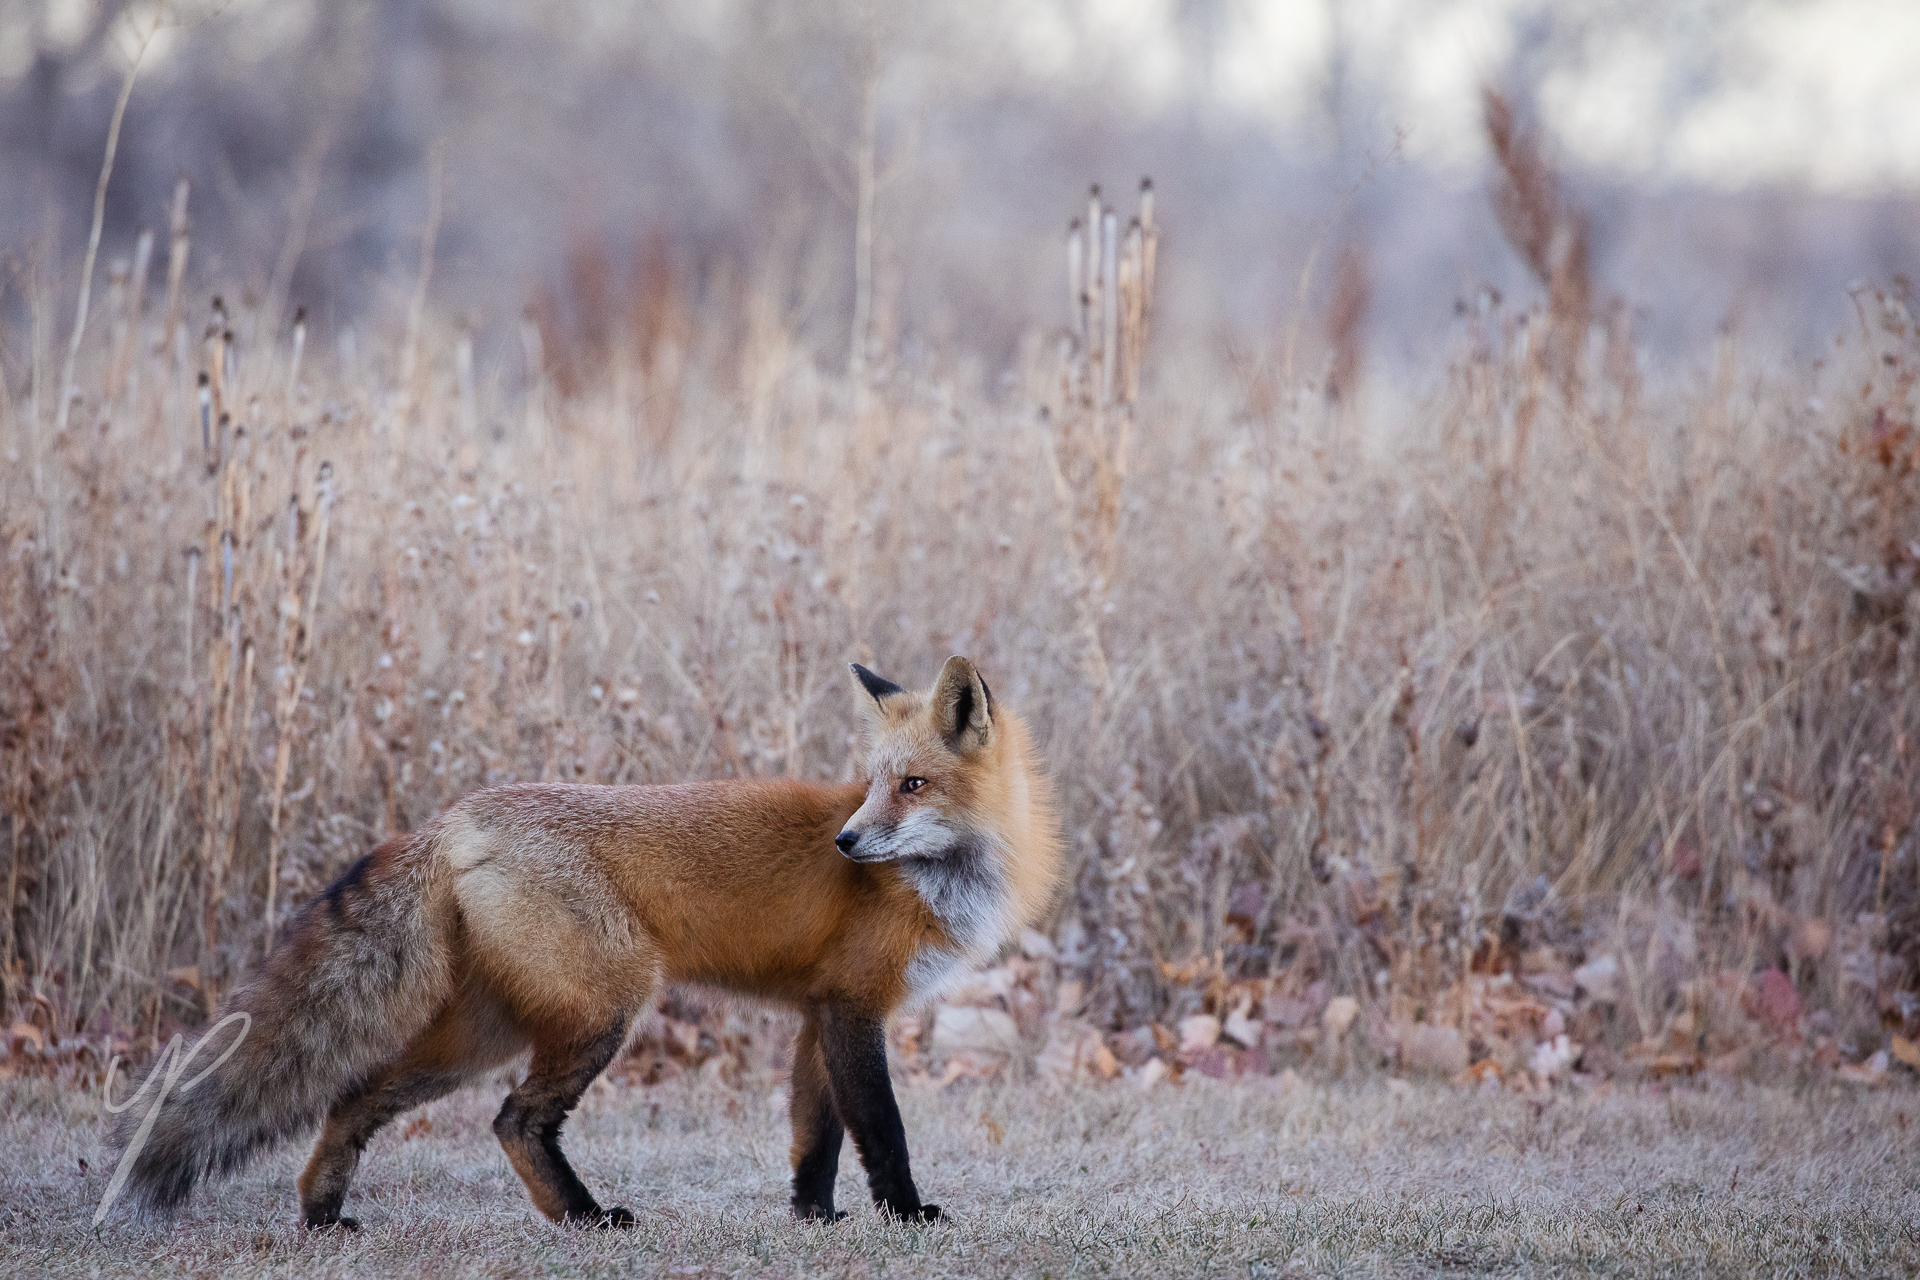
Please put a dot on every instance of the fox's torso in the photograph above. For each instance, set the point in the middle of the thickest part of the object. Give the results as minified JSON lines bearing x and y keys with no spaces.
{"x":571,"y":893}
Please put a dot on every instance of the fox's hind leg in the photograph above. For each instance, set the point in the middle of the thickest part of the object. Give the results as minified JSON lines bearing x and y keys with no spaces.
{"x":816,"y":1129}
{"x":352,"y":1122}
{"x":472,"y":1034}
{"x":529,"y":1124}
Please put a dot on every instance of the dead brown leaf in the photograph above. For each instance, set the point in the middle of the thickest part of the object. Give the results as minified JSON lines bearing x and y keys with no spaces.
{"x":1776,"y":1001}
{"x":1482,"y":1071}
{"x":1198,"y":1033}
{"x":1906,"y":1051}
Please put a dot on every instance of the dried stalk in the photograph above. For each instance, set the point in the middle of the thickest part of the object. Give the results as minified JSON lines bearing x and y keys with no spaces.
{"x":120,"y":376}
{"x":303,"y":563}
{"x":67,"y":389}
{"x":1110,"y":288}
{"x":417,"y":308}
{"x":179,"y":243}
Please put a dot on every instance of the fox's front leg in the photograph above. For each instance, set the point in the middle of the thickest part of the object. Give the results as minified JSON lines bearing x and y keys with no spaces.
{"x":854,"y":1048}
{"x":816,"y":1129}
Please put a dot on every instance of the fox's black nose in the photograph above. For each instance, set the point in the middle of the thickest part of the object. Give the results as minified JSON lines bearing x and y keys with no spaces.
{"x":846,"y":840}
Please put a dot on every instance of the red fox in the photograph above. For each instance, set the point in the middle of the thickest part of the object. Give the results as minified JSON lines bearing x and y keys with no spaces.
{"x":545,"y":916}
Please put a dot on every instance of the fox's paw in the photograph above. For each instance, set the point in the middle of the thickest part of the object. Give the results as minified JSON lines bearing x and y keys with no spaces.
{"x":816,"y":1213}
{"x":920,"y":1213}
{"x":602,"y":1219}
{"x":331,"y":1222}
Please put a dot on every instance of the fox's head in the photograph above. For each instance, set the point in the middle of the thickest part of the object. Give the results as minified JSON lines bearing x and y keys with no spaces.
{"x":933,"y":766}
{"x":957,"y":800}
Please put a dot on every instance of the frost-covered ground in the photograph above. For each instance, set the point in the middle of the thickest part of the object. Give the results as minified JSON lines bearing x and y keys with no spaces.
{"x":1371,"y":1178}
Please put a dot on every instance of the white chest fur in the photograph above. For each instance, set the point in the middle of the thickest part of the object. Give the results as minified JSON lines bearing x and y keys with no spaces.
{"x":966,"y":887}
{"x":931,"y":972}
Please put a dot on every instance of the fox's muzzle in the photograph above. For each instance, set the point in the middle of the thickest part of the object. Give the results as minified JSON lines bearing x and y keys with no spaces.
{"x":858,"y":848}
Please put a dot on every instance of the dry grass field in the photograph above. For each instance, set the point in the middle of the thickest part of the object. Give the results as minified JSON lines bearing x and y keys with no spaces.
{"x":1373,"y":1179}
{"x":1559,"y":673}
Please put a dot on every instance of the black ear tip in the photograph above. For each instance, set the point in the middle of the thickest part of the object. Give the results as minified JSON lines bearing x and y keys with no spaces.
{"x":877,"y":687}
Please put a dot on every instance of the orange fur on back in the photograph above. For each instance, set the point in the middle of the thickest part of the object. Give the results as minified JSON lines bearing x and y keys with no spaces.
{"x":580,"y":900}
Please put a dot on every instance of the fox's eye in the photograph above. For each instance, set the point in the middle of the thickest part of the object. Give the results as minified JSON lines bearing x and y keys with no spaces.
{"x":910,"y":785}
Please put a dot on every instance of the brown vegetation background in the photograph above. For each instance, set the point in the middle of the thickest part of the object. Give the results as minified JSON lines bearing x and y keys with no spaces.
{"x":1563,"y":726}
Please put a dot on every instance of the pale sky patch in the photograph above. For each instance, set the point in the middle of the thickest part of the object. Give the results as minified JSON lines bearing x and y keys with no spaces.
{"x":1270,"y":64}
{"x":1832,"y":99}
{"x":1823,"y":93}
{"x":1816,"y":93}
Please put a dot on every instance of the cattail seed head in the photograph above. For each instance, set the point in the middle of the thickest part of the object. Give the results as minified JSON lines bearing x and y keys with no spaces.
{"x":1077,"y":276}
{"x":206,"y":412}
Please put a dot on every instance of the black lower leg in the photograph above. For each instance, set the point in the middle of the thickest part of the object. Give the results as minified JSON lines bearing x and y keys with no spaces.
{"x":816,"y":1130}
{"x":855,"y":1050}
{"x":528,"y":1126}
{"x":350,"y":1125}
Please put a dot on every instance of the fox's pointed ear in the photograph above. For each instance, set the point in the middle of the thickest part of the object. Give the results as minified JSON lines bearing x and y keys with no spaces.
{"x":962,"y":708}
{"x":876,"y":687}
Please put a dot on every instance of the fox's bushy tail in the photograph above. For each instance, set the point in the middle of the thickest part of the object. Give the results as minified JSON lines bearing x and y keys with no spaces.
{"x":361,"y":973}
